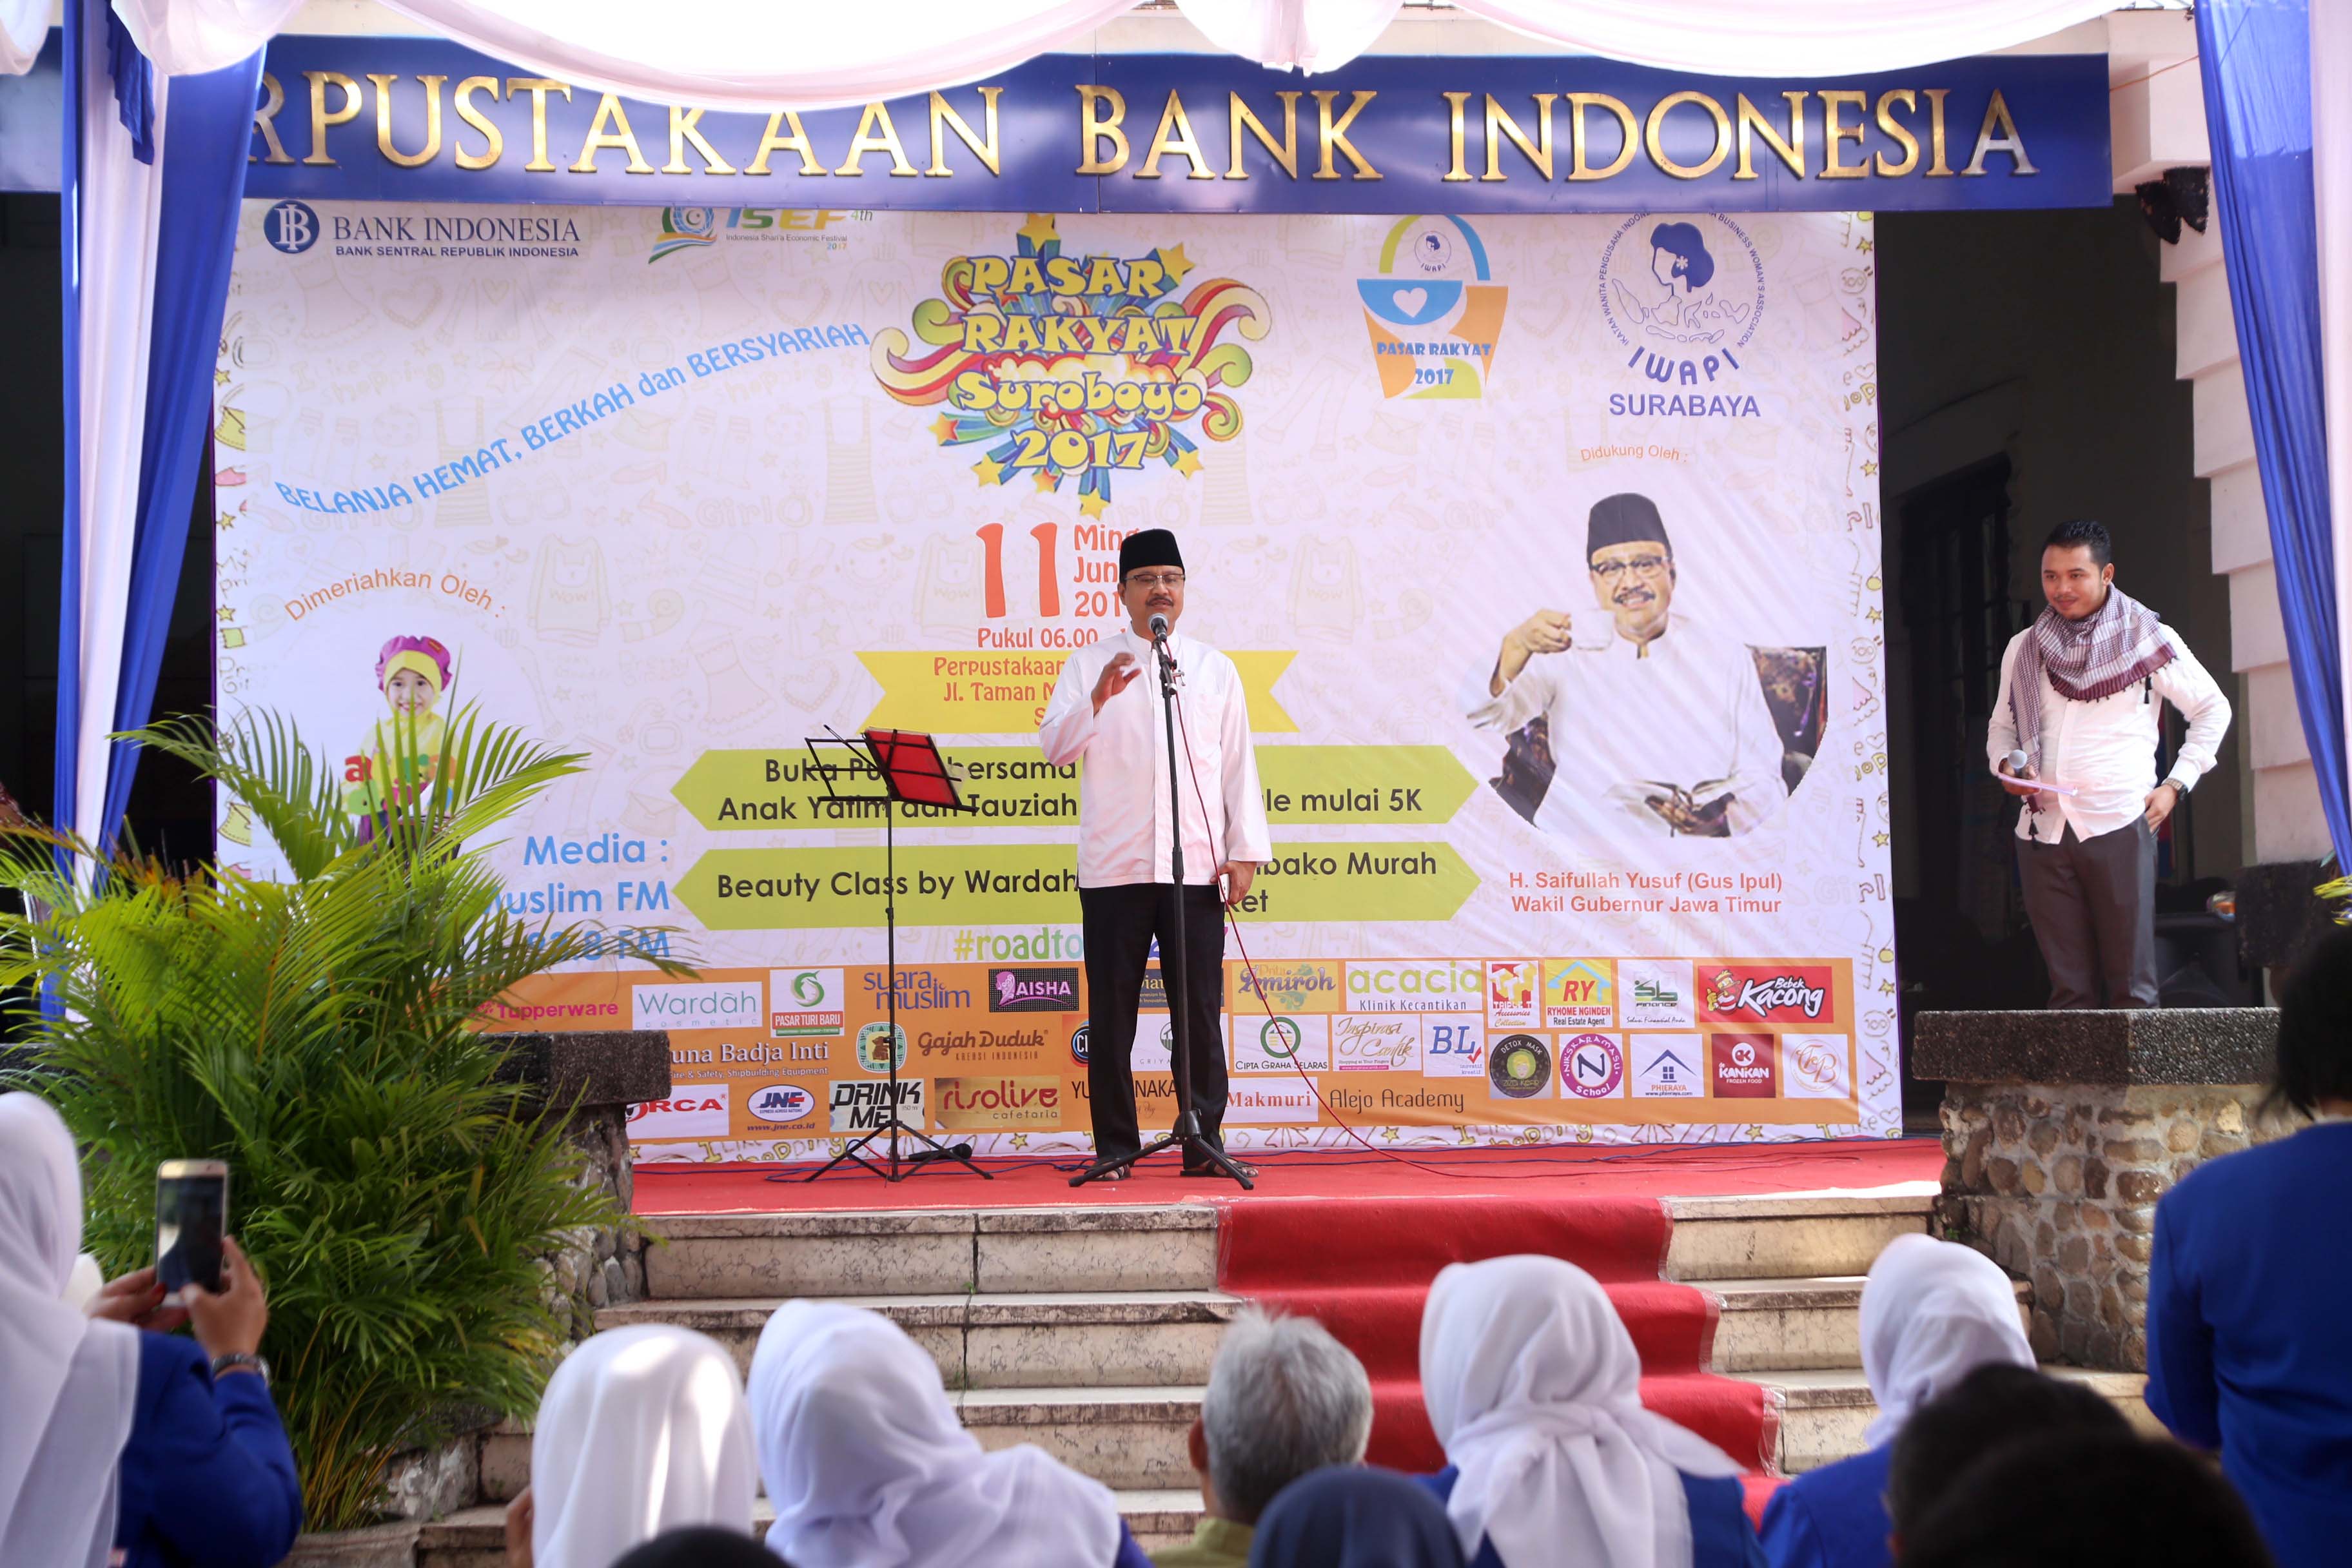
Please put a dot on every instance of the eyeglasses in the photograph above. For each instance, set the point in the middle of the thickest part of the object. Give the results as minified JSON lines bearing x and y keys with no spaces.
{"x":1647,"y":565}
{"x":1155,"y":579}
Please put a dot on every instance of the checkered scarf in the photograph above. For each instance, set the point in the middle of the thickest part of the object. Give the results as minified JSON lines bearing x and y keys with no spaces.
{"x":2120,"y":643}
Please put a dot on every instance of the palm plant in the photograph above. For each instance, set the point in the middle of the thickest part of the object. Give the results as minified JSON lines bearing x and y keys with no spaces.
{"x":317,"y":1033}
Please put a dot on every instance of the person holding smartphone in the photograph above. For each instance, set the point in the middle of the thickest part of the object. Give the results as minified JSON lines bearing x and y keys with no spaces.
{"x":123,"y":1436}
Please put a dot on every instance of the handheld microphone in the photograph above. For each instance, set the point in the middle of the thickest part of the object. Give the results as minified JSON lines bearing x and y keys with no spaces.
{"x":2019,"y":761}
{"x":1159,"y":628}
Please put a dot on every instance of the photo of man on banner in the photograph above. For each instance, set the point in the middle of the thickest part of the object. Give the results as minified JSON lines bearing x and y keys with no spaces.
{"x":1653,"y":720}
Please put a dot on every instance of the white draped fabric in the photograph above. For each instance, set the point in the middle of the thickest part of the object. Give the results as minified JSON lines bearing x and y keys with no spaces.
{"x":749,"y":54}
{"x":119,"y":212}
{"x":2331,"y":175}
{"x":23,"y":24}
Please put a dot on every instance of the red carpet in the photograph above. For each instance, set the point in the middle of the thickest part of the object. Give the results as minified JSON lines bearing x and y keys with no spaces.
{"x":1363,"y":1270}
{"x":1651,"y":1171}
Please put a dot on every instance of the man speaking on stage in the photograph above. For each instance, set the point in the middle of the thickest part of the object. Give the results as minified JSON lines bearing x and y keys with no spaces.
{"x":2080,"y":694}
{"x":1106,"y":708}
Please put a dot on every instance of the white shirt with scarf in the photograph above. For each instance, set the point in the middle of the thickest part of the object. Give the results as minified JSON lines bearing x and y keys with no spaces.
{"x":2106,"y":751}
{"x":1124,"y":834}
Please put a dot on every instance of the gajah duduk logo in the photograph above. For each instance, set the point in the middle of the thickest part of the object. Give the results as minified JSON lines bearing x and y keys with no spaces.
{"x":1435,"y":313}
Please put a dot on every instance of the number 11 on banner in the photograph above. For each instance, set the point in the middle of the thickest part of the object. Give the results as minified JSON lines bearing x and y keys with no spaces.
{"x":1049,"y":588}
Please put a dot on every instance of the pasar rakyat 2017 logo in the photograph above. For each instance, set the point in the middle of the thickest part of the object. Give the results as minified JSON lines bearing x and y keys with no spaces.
{"x":1434,"y":313}
{"x":1075,"y":367}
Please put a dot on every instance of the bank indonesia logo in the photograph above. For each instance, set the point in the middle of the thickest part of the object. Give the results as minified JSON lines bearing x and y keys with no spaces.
{"x":290,"y":226}
{"x":1682,"y":295}
{"x":684,"y":228}
{"x":1435,"y":313}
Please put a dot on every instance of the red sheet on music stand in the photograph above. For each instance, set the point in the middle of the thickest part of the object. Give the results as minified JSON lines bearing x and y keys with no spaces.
{"x":912,"y":767}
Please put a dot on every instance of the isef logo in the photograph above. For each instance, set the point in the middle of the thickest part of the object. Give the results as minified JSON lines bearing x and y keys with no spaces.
{"x":290,"y":226}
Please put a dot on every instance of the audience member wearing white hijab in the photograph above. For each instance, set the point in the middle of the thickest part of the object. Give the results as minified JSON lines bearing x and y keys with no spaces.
{"x":867,"y":1467}
{"x":1534,"y":1388}
{"x":1932,"y":1312}
{"x":642,"y":1430}
{"x":112,"y":1437}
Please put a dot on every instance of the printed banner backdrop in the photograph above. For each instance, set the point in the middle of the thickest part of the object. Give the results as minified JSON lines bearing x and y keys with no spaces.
{"x":674,"y":489}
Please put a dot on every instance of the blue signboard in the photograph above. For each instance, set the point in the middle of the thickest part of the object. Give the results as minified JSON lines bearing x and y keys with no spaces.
{"x":355,"y":118}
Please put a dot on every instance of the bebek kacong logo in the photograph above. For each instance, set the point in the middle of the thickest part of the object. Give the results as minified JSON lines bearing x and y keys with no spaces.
{"x":1434,"y":313}
{"x":1032,"y":990}
{"x":1682,"y":295}
{"x":1766,"y":994}
{"x":1076,"y":367}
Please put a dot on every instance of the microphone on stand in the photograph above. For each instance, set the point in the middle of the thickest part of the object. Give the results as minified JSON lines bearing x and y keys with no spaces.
{"x":1159,"y":628}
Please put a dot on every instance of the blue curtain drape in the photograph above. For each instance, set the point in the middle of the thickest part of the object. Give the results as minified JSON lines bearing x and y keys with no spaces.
{"x":64,"y":802}
{"x":2257,"y":71}
{"x":211,"y":125}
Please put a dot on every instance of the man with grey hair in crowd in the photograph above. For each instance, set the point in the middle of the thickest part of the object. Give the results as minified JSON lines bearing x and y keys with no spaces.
{"x":1284,"y":1398}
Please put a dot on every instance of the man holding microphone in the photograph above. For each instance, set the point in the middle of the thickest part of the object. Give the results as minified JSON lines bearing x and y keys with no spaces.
{"x":1106,"y":708}
{"x":2073,"y":734}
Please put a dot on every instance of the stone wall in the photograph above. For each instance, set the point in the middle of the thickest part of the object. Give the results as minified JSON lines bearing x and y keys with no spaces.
{"x":601,"y":1265}
{"x":2059,"y":1183}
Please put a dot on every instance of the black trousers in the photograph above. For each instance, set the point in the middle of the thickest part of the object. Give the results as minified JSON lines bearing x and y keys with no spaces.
{"x":1119,"y":925}
{"x":2093,"y":905}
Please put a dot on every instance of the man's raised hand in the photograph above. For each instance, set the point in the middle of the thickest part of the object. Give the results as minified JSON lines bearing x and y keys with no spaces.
{"x":1117,"y":677}
{"x":1546,"y":631}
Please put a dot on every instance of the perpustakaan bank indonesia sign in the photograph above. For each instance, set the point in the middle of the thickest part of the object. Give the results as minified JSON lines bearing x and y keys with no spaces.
{"x":421,"y":119}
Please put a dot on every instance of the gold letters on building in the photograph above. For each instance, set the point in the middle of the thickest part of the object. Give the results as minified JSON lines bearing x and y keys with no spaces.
{"x":1520,"y":138}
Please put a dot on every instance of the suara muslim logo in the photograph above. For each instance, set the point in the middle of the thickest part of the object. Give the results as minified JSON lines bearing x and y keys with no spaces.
{"x":1682,"y":295}
{"x":1071,"y":369}
{"x":1434,"y":313}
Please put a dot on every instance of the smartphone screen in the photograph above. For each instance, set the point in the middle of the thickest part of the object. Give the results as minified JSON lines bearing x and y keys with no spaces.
{"x":191,"y":1217}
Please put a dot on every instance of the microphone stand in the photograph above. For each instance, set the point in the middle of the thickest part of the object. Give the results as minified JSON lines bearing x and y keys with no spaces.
{"x":1185,"y":1135}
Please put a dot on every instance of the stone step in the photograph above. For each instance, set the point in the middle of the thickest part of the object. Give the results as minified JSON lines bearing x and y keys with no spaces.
{"x":1125,"y":1338}
{"x":1173,"y":1247}
{"x":476,"y":1537}
{"x":986,"y":1340}
{"x":1824,"y":1414}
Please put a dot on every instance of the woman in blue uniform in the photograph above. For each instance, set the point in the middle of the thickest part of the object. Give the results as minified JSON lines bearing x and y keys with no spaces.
{"x":2247,"y":1285}
{"x":1534,"y":1388}
{"x":1932,"y":1312}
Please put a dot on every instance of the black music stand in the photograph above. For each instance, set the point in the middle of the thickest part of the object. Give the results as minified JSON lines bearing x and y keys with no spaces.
{"x":913,"y":773}
{"x":1185,"y":1137}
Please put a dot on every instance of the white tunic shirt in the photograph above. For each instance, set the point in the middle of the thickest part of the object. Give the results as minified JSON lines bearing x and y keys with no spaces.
{"x":1630,"y":721}
{"x":1123,"y":825}
{"x":2106,"y":751}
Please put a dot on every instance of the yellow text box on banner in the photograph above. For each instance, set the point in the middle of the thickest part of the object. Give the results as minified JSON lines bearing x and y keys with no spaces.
{"x":1012,"y":787}
{"x":1363,"y":784}
{"x":998,"y":693}
{"x":1014,"y":883}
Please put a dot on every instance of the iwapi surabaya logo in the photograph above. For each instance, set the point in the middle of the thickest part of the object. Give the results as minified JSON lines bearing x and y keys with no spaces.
{"x":1071,"y":369}
{"x":1683,"y":296}
{"x":1434,"y":313}
{"x":1768,"y":994}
